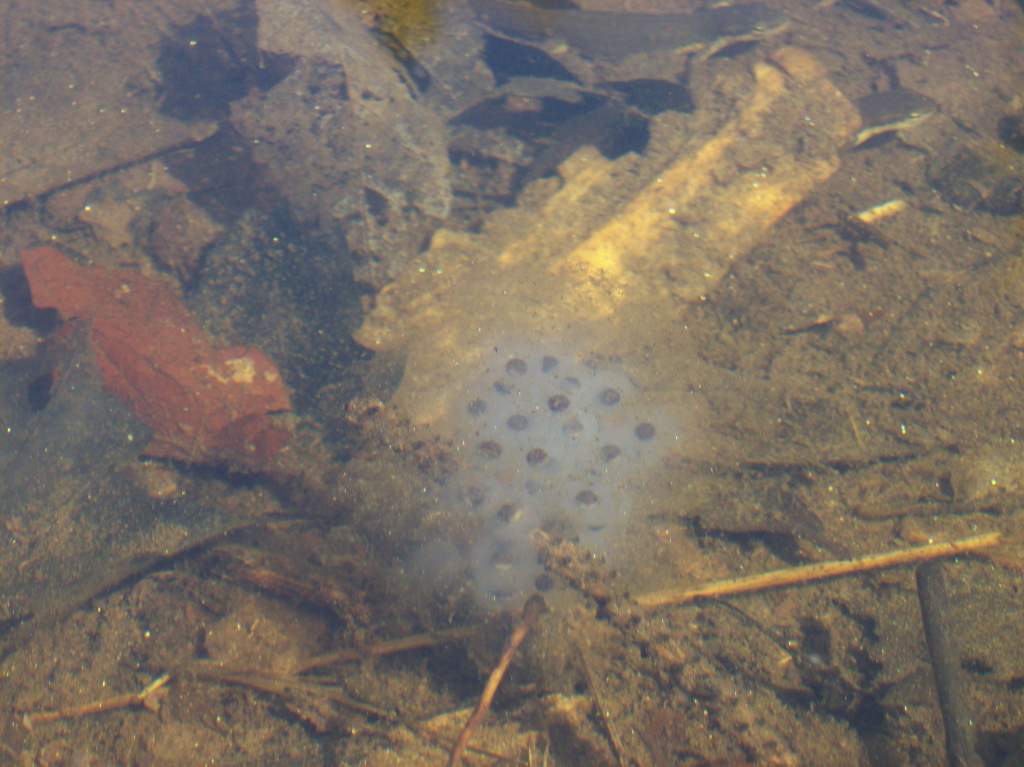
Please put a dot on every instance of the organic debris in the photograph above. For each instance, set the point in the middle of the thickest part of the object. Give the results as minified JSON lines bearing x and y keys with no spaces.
{"x":532,"y":611}
{"x":818,"y":571}
{"x":204,"y":405}
{"x":146,"y":698}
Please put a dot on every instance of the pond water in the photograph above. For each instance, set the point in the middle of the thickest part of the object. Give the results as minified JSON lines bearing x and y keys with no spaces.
{"x":336,"y":332}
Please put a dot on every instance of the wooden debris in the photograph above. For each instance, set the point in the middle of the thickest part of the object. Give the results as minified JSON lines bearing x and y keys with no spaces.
{"x":378,"y":649}
{"x":531,"y":614}
{"x":306,"y":695}
{"x":142,"y":698}
{"x":602,"y":710}
{"x":947,"y":670}
{"x":609,"y":257}
{"x":816,"y":572}
{"x":880,"y":211}
{"x":292,"y":580}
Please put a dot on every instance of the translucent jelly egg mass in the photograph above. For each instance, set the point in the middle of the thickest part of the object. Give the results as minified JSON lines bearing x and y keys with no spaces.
{"x":546,"y":441}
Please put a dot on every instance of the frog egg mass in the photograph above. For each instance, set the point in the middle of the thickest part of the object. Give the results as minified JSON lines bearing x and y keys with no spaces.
{"x":544,"y":441}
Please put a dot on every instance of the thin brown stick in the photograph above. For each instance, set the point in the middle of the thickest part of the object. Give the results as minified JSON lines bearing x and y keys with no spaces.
{"x":816,"y":572}
{"x":388,"y":647}
{"x":290,"y":687}
{"x":130,"y":700}
{"x":598,"y":695}
{"x":296,"y":688}
{"x":531,"y":614}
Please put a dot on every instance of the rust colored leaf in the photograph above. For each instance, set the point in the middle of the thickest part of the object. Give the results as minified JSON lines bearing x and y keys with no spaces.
{"x":203,"y":404}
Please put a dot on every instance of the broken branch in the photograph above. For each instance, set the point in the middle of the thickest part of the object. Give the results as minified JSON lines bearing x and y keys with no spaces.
{"x":816,"y":572}
{"x":141,"y":698}
{"x":531,"y":613}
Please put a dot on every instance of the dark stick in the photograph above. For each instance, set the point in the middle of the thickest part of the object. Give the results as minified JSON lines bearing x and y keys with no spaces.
{"x":531,"y":614}
{"x":956,"y":718}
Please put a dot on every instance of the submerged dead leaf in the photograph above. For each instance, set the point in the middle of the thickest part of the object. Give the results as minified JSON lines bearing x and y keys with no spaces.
{"x":204,"y":405}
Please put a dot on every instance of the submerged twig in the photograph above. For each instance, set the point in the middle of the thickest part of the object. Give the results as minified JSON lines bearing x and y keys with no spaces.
{"x":387,"y":647}
{"x":602,"y":711}
{"x":141,"y":698}
{"x":816,"y":572}
{"x":289,"y":687}
{"x":531,"y":614}
{"x":284,"y":686}
{"x":945,"y":658}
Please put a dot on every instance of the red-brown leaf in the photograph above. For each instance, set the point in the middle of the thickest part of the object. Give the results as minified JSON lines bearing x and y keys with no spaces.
{"x":203,"y":404}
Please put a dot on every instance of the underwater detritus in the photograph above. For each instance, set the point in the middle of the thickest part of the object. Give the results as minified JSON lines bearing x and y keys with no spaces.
{"x":945,"y":657}
{"x":978,"y":175}
{"x":888,"y":112}
{"x":508,"y":60}
{"x":203,"y":404}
